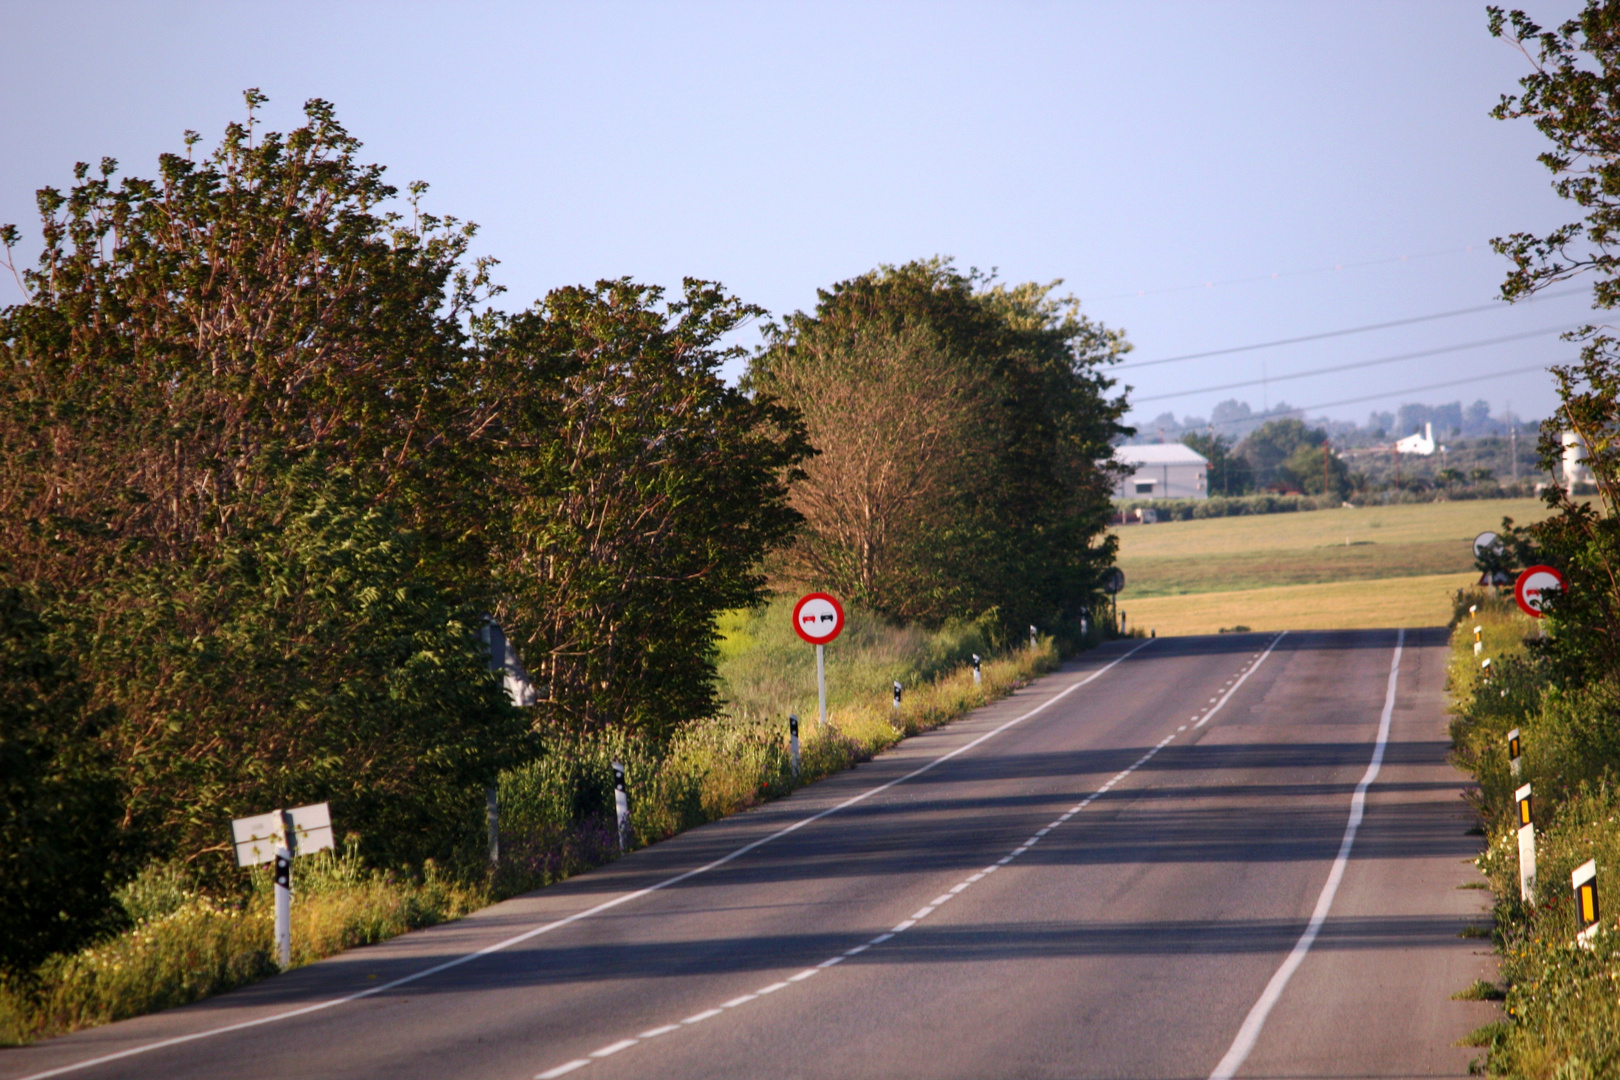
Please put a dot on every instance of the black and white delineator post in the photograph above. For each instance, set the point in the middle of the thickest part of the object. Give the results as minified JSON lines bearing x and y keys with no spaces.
{"x":1583,"y":882}
{"x":793,"y":743}
{"x":1479,"y":640}
{"x":976,"y":676}
{"x":279,"y":837}
{"x":897,"y":689}
{"x":621,"y":806}
{"x":1032,"y":637}
{"x":1513,"y":753}
{"x":503,"y":659}
{"x":1527,"y":846}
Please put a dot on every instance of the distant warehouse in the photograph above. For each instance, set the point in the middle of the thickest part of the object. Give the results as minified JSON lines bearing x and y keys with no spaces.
{"x":1162,"y":471}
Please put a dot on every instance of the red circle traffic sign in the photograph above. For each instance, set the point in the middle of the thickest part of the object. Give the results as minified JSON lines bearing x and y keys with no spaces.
{"x":818,"y":617}
{"x":1531,"y":584}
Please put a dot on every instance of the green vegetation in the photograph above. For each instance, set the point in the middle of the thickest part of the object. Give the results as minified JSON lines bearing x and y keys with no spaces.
{"x":963,"y":431}
{"x":270,"y":459}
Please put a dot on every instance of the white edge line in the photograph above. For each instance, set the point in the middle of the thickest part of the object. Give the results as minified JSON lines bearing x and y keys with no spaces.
{"x":1240,"y":682}
{"x":1250,"y":1031}
{"x":604,"y":906}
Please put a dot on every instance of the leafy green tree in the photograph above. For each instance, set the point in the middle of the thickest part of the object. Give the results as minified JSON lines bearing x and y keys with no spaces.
{"x":962,"y":430}
{"x":312,"y":658}
{"x":60,"y":846}
{"x":1228,"y":473}
{"x":639,"y":494}
{"x":1570,"y":95}
{"x":1287,"y":453}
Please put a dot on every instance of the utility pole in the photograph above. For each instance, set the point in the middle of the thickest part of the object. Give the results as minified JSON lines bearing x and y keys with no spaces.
{"x":1325,"y":469}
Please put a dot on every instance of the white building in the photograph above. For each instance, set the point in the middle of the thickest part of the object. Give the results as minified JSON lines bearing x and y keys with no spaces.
{"x":1418,"y":444}
{"x":1576,"y":469}
{"x":1162,"y":471}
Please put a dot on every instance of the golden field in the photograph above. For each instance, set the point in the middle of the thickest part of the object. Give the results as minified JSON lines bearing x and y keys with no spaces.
{"x":1320,"y":569}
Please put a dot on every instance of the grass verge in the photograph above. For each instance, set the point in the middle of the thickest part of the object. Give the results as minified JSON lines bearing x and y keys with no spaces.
{"x":1562,"y":1001}
{"x":182,"y":945}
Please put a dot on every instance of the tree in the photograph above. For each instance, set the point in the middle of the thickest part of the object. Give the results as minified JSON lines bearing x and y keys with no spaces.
{"x":1570,"y":96}
{"x":60,"y":850}
{"x":1273,"y":453}
{"x":639,"y":494}
{"x":1228,"y":473}
{"x":963,"y":430}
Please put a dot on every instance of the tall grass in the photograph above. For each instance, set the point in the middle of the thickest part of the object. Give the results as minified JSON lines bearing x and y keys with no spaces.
{"x":182,"y":944}
{"x":1563,"y":1002}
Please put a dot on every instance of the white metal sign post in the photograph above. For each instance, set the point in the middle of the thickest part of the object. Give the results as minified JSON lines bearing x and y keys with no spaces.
{"x":1527,"y":846}
{"x":279,"y":837}
{"x":819,"y":618}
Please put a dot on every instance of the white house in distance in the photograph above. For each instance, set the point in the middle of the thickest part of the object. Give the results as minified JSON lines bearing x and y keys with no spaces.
{"x":1417,"y":444}
{"x":1163,"y":471}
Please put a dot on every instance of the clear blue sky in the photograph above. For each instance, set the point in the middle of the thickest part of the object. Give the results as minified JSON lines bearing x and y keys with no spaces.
{"x":1138,"y":151}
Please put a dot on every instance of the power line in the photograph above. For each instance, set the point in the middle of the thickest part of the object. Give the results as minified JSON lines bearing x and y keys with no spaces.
{"x":1287,"y":274}
{"x":1281,"y":414}
{"x":1498,"y":306}
{"x":1358,"y":364}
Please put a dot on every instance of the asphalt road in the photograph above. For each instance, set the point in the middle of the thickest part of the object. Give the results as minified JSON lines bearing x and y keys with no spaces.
{"x":1135,"y":867}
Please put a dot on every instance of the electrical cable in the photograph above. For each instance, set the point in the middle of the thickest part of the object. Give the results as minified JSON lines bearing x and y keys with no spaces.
{"x":1358,"y":364}
{"x":1498,"y":306}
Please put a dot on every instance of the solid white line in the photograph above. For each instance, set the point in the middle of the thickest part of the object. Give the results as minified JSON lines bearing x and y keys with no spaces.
{"x":546,"y":928}
{"x":1238,"y":685}
{"x":565,"y":1067}
{"x":1250,"y":1031}
{"x":608,"y":1051}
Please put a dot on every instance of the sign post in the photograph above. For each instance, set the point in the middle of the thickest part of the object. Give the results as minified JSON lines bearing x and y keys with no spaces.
{"x":1530,"y":590}
{"x":819,"y":618}
{"x":278,"y":837}
{"x":1583,"y":882}
{"x":1113,"y":585}
{"x":1527,"y":847}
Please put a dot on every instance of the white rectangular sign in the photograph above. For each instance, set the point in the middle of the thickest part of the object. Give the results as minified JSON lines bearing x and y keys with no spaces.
{"x":257,"y":838}
{"x":312,"y":827}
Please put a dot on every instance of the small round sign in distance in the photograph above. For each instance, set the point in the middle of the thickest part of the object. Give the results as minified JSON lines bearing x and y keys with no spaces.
{"x":1532,"y":583}
{"x":818,"y":617}
{"x":1114,"y":581}
{"x":1486,"y":541}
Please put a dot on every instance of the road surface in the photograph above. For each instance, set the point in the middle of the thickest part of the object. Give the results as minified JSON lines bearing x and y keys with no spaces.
{"x":1180,"y":858}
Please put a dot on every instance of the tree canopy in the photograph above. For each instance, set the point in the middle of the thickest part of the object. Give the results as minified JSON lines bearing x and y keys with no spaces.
{"x":962,"y":429}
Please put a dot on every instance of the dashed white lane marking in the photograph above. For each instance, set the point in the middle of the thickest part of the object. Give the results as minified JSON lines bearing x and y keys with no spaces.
{"x":1250,"y":1031}
{"x":614,"y":1048}
{"x":546,"y":928}
{"x":934,"y":904}
{"x":702,"y":1016}
{"x":665,"y":1030}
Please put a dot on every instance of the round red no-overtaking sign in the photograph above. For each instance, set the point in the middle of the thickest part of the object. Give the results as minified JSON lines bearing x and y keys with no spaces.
{"x":818,"y":618}
{"x":1532,"y":584}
